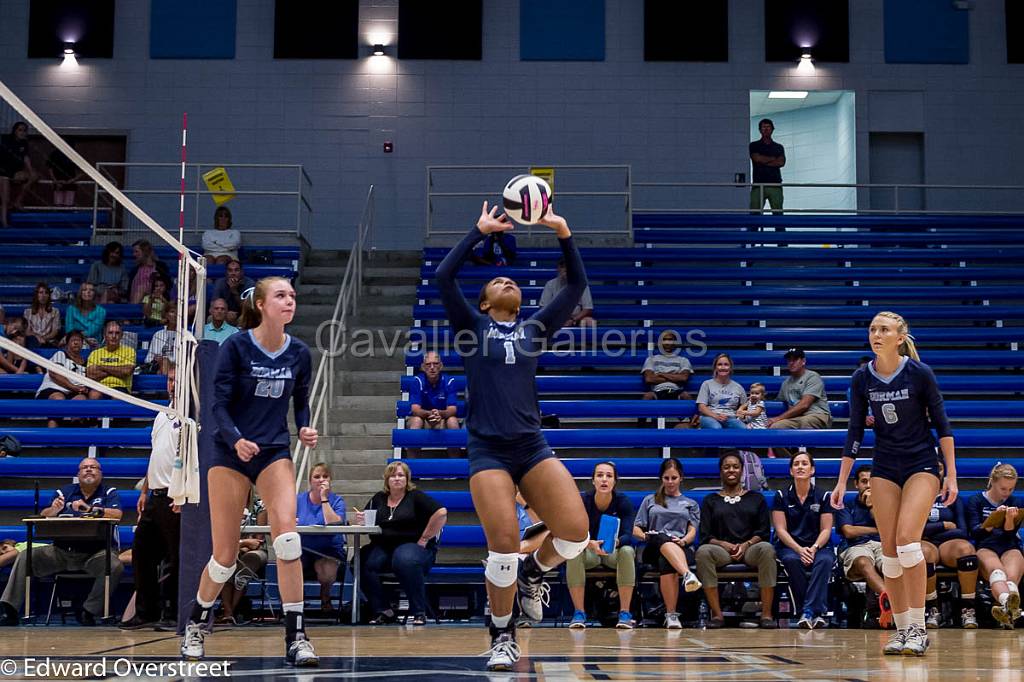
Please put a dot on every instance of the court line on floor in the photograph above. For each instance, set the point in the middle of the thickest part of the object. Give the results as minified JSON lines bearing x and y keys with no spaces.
{"x":133,"y":645}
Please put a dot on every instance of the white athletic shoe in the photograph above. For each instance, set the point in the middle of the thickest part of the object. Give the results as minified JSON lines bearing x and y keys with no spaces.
{"x":690,"y":582}
{"x":192,"y":643}
{"x":931,"y":618}
{"x":806,"y":622}
{"x":672,"y":621}
{"x":1013,"y":606}
{"x":504,"y":651}
{"x":968,"y":620}
{"x":916,"y":642}
{"x":301,"y":654}
{"x":820,"y":623}
{"x":894,"y":647}
{"x":533,"y":597}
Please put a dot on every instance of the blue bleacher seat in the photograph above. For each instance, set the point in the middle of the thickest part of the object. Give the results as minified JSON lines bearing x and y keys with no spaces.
{"x":51,"y":271}
{"x":32,"y":437}
{"x":25,"y":383}
{"x":25,"y":499}
{"x":18,"y":409}
{"x":42,"y":467}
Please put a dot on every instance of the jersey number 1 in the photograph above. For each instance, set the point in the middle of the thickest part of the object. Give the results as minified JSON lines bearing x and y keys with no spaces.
{"x":510,"y":353}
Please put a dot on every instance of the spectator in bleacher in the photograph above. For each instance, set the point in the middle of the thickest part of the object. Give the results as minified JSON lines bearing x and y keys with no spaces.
{"x":57,"y":387}
{"x":63,"y":174}
{"x":154,"y":303}
{"x":141,"y":276}
{"x":230,"y":288}
{"x":946,"y":540}
{"x":218,"y":329}
{"x":85,"y":315}
{"x":861,"y":549}
{"x":158,"y":532}
{"x":161,"y":346}
{"x":498,"y":249}
{"x":322,"y":554}
{"x":720,"y":396}
{"x":735,"y":529}
{"x":8,"y":552}
{"x":15,"y":167}
{"x":605,"y":500}
{"x":410,"y":522}
{"x":221,"y":244}
{"x":87,"y":497}
{"x":111,"y":364}
{"x":766,"y":157}
{"x":583,"y":314}
{"x":15,"y":330}
{"x":994,"y":517}
{"x":109,"y":275}
{"x":803,"y":391}
{"x":802,"y":518}
{"x":667,"y":523}
{"x":43,"y":319}
{"x":433,"y":400}
{"x":667,"y":372}
{"x":250,"y":565}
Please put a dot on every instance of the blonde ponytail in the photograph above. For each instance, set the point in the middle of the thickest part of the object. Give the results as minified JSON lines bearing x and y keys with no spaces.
{"x":1000,"y":471}
{"x":251,"y":316}
{"x":908,"y":347}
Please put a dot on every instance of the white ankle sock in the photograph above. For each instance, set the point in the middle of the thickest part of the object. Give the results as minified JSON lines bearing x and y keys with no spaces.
{"x":540,"y":564}
{"x":1003,"y":597}
{"x":902,"y":620}
{"x":917,"y":616}
{"x":500,"y":621}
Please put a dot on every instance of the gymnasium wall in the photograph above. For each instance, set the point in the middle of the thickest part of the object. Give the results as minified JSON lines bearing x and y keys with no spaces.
{"x":669,"y":120}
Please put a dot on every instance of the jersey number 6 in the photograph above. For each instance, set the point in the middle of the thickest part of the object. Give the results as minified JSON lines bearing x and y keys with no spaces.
{"x":890,"y":414}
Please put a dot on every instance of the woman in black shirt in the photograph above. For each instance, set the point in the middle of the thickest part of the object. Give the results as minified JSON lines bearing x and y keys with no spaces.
{"x":410,"y":521}
{"x":735,"y":528}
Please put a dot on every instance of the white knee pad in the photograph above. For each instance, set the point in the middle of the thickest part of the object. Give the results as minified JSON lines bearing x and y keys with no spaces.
{"x":219,"y":574}
{"x":502,"y":569}
{"x":288,"y":546}
{"x":568,"y":549}
{"x":891,"y":567}
{"x":997,"y":576}
{"x":910,"y":555}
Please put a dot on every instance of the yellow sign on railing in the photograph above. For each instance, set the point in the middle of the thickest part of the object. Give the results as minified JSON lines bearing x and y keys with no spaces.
{"x":218,"y":182}
{"x":545,"y":173}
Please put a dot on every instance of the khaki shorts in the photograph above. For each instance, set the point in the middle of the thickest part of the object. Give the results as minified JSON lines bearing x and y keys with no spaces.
{"x":871,"y":549}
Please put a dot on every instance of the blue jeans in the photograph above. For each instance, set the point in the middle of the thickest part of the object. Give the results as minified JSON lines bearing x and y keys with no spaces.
{"x":730,"y":423}
{"x":810,"y":593}
{"x":409,"y":562}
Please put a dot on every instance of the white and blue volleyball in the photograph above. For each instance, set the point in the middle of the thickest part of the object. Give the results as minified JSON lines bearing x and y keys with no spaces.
{"x":526,"y":199}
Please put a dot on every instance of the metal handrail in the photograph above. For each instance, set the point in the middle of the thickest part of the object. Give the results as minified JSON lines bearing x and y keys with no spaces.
{"x":348,"y":298}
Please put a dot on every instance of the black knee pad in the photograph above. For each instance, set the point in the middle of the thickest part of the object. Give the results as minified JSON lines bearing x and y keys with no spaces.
{"x":967,"y":563}
{"x":930,"y":570}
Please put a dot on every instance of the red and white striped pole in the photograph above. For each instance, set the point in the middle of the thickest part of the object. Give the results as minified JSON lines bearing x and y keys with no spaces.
{"x":181,"y":206}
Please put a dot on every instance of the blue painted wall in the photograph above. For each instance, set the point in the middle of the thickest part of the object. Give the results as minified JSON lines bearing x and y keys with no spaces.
{"x":192,"y":29}
{"x":926,"y":32}
{"x":570,"y":30}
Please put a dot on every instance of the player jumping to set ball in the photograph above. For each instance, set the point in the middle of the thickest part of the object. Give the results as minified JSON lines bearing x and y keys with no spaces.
{"x":505,"y":444}
{"x":905,"y":478}
{"x":258,"y":372}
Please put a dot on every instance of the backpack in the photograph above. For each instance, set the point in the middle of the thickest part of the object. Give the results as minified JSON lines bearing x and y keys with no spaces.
{"x":9,"y":445}
{"x":753,"y":472}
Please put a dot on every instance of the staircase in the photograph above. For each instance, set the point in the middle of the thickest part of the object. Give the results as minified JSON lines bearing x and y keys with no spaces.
{"x":367,"y":378}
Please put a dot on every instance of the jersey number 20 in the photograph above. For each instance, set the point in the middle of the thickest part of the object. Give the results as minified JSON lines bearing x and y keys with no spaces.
{"x":890,"y":414}
{"x":270,"y":388}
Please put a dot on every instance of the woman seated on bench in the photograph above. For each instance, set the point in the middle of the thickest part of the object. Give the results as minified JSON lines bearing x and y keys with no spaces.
{"x":604,"y":500}
{"x":667,"y":521}
{"x":734,"y":529}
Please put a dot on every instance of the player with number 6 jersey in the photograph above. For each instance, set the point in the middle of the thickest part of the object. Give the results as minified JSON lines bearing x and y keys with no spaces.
{"x":505,"y":444}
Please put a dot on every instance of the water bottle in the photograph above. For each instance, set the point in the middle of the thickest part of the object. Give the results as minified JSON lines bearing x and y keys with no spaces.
{"x":784,"y":609}
{"x":704,"y":615}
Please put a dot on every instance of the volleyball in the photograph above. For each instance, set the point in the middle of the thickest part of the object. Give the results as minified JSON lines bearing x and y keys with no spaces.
{"x":526,"y":199}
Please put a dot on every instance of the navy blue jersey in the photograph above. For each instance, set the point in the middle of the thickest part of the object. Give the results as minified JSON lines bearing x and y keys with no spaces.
{"x":935,"y":530}
{"x":803,"y":519}
{"x":105,"y":497}
{"x":253,"y":388}
{"x":439,"y":396}
{"x":501,"y":357}
{"x":979,"y":508}
{"x":906,"y":405}
{"x":855,"y":514}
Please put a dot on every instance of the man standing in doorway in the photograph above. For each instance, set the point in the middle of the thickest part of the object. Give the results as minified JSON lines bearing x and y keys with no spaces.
{"x":767,"y":157}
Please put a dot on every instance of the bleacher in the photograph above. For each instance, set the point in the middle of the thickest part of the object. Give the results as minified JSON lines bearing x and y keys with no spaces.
{"x":753,"y":294}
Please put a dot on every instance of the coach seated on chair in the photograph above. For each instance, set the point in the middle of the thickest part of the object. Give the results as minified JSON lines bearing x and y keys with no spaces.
{"x":321,"y":554}
{"x":433,"y":400}
{"x":735,"y":529}
{"x":88,"y":497}
{"x":410,"y":522}
{"x":111,"y":364}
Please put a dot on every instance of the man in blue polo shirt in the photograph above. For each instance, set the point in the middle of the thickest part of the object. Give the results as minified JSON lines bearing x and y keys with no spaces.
{"x":861,"y":549}
{"x":90,"y":498}
{"x":433,"y":400}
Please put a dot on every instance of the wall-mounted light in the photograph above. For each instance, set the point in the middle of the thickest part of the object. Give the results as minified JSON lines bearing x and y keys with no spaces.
{"x":806,"y":63}
{"x":378,"y":50}
{"x":70,"y":58}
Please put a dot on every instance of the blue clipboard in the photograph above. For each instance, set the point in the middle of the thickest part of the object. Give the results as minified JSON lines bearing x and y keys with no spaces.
{"x":608,"y":532}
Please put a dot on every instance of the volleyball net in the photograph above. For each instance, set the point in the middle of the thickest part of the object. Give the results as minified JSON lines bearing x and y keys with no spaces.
{"x":190,"y":291}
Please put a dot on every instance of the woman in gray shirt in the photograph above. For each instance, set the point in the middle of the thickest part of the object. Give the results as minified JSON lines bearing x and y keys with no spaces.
{"x":667,"y":521}
{"x":719,"y":397}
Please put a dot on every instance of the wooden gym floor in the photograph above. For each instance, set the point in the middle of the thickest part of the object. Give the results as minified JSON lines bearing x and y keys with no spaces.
{"x":452,"y":653}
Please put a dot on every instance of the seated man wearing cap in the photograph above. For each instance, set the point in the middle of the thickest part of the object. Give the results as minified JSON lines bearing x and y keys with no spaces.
{"x":803,"y":392}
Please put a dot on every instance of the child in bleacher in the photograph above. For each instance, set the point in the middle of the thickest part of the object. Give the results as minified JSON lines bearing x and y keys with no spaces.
{"x":154,"y":303}
{"x":753,"y":414}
